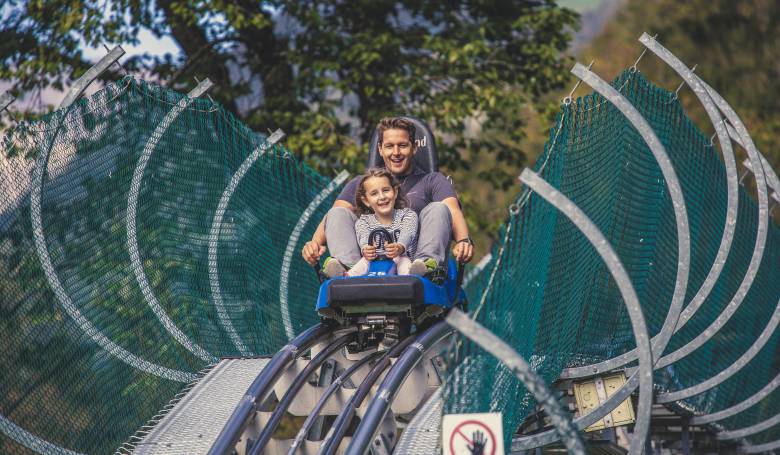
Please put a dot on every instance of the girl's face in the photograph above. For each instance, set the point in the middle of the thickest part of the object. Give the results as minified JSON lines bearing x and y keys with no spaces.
{"x":380,"y":195}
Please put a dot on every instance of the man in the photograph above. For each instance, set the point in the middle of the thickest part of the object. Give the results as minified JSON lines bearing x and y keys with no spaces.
{"x":431,"y":195}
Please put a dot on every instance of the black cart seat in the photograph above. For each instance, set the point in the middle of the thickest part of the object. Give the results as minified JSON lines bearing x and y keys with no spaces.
{"x":426,"y":156}
{"x":390,"y":291}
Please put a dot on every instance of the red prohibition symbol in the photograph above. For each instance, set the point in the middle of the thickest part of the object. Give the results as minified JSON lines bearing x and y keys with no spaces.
{"x":476,"y":443}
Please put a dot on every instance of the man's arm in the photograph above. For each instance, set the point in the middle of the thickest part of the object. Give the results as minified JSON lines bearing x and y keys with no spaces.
{"x":463,"y":251}
{"x":315,"y":248}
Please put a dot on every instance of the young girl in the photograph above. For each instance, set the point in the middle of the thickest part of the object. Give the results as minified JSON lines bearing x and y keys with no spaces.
{"x":380,"y":205}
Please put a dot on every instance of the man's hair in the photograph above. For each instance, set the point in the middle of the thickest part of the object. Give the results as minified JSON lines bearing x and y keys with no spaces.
{"x":360,"y":193}
{"x":396,"y":123}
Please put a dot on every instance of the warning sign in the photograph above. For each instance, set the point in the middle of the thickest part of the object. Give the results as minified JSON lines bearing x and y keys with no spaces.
{"x":472,"y":434}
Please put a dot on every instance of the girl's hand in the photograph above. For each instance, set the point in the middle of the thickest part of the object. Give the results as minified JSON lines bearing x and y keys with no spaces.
{"x":394,"y":250}
{"x":369,"y":252}
{"x":463,"y":251}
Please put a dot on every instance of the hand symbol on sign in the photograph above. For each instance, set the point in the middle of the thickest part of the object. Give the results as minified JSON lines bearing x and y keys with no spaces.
{"x":477,"y":447}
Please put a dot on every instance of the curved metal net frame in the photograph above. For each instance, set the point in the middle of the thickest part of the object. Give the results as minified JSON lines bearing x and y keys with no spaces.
{"x":161,"y":244}
{"x":553,"y":300}
{"x":87,"y":365}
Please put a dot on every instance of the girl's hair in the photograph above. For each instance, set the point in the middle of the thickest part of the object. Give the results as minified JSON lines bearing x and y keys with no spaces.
{"x":379,"y":172}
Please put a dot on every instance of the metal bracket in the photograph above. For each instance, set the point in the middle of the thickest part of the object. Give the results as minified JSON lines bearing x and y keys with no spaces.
{"x":592,"y":393}
{"x":774,"y":196}
{"x":381,"y":446}
{"x":327,"y":375}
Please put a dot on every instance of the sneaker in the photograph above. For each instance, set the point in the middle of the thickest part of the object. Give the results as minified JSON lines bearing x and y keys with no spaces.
{"x":423,"y":267}
{"x":333,"y":268}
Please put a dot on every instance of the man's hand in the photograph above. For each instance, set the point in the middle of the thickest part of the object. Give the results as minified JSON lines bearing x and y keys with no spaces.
{"x":394,"y":250}
{"x":463,"y":252}
{"x":312,"y":251}
{"x":369,"y":252}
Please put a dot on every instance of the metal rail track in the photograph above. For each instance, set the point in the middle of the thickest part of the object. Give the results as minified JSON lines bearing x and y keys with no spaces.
{"x":339,"y":428}
{"x":387,"y":391}
{"x":336,"y":385}
{"x":288,"y":397}
{"x":262,"y":387}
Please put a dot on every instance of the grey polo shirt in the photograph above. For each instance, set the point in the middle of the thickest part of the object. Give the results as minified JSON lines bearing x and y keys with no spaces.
{"x":419,"y":187}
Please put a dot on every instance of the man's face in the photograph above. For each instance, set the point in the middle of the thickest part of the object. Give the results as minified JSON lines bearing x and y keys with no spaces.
{"x":397,"y":151}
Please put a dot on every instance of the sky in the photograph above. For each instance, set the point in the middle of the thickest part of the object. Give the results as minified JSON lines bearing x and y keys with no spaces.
{"x":147,"y":43}
{"x":579,"y":5}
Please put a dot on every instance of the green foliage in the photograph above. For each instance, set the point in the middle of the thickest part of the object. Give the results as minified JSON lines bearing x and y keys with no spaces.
{"x":734,"y":46}
{"x":551,"y":297}
{"x":325,"y":71}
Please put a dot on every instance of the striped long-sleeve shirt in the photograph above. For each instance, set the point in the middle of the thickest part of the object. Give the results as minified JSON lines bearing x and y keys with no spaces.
{"x":403,"y":229}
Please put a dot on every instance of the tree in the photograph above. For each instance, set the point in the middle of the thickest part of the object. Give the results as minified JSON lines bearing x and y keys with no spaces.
{"x":734,"y":46}
{"x":325,"y":70}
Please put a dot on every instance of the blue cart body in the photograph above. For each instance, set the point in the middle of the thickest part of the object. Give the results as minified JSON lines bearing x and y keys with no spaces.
{"x":381,"y":284}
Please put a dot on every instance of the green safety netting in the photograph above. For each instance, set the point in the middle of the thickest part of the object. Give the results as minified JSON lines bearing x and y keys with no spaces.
{"x":173,"y":240}
{"x":548,"y":294}
{"x":138,"y":314}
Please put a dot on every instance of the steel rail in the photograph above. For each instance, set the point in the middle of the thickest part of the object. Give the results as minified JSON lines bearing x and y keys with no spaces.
{"x":747,"y":282}
{"x":769,"y":446}
{"x":31,"y":441}
{"x":295,"y":387}
{"x":775,"y":382}
{"x":644,"y":376}
{"x":752,"y":429}
{"x":732,"y":179}
{"x":758,"y":249}
{"x":216,"y":227}
{"x":131,"y":224}
{"x":41,"y":249}
{"x":660,"y":340}
{"x":385,"y":394}
{"x":520,"y":367}
{"x":772,"y":180}
{"x":336,"y":385}
{"x":262,"y":387}
{"x":732,"y":369}
{"x":90,"y":75}
{"x":739,"y":407}
{"x":332,"y":440}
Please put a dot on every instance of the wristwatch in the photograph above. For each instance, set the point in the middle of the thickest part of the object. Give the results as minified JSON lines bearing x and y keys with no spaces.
{"x":467,"y":240}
